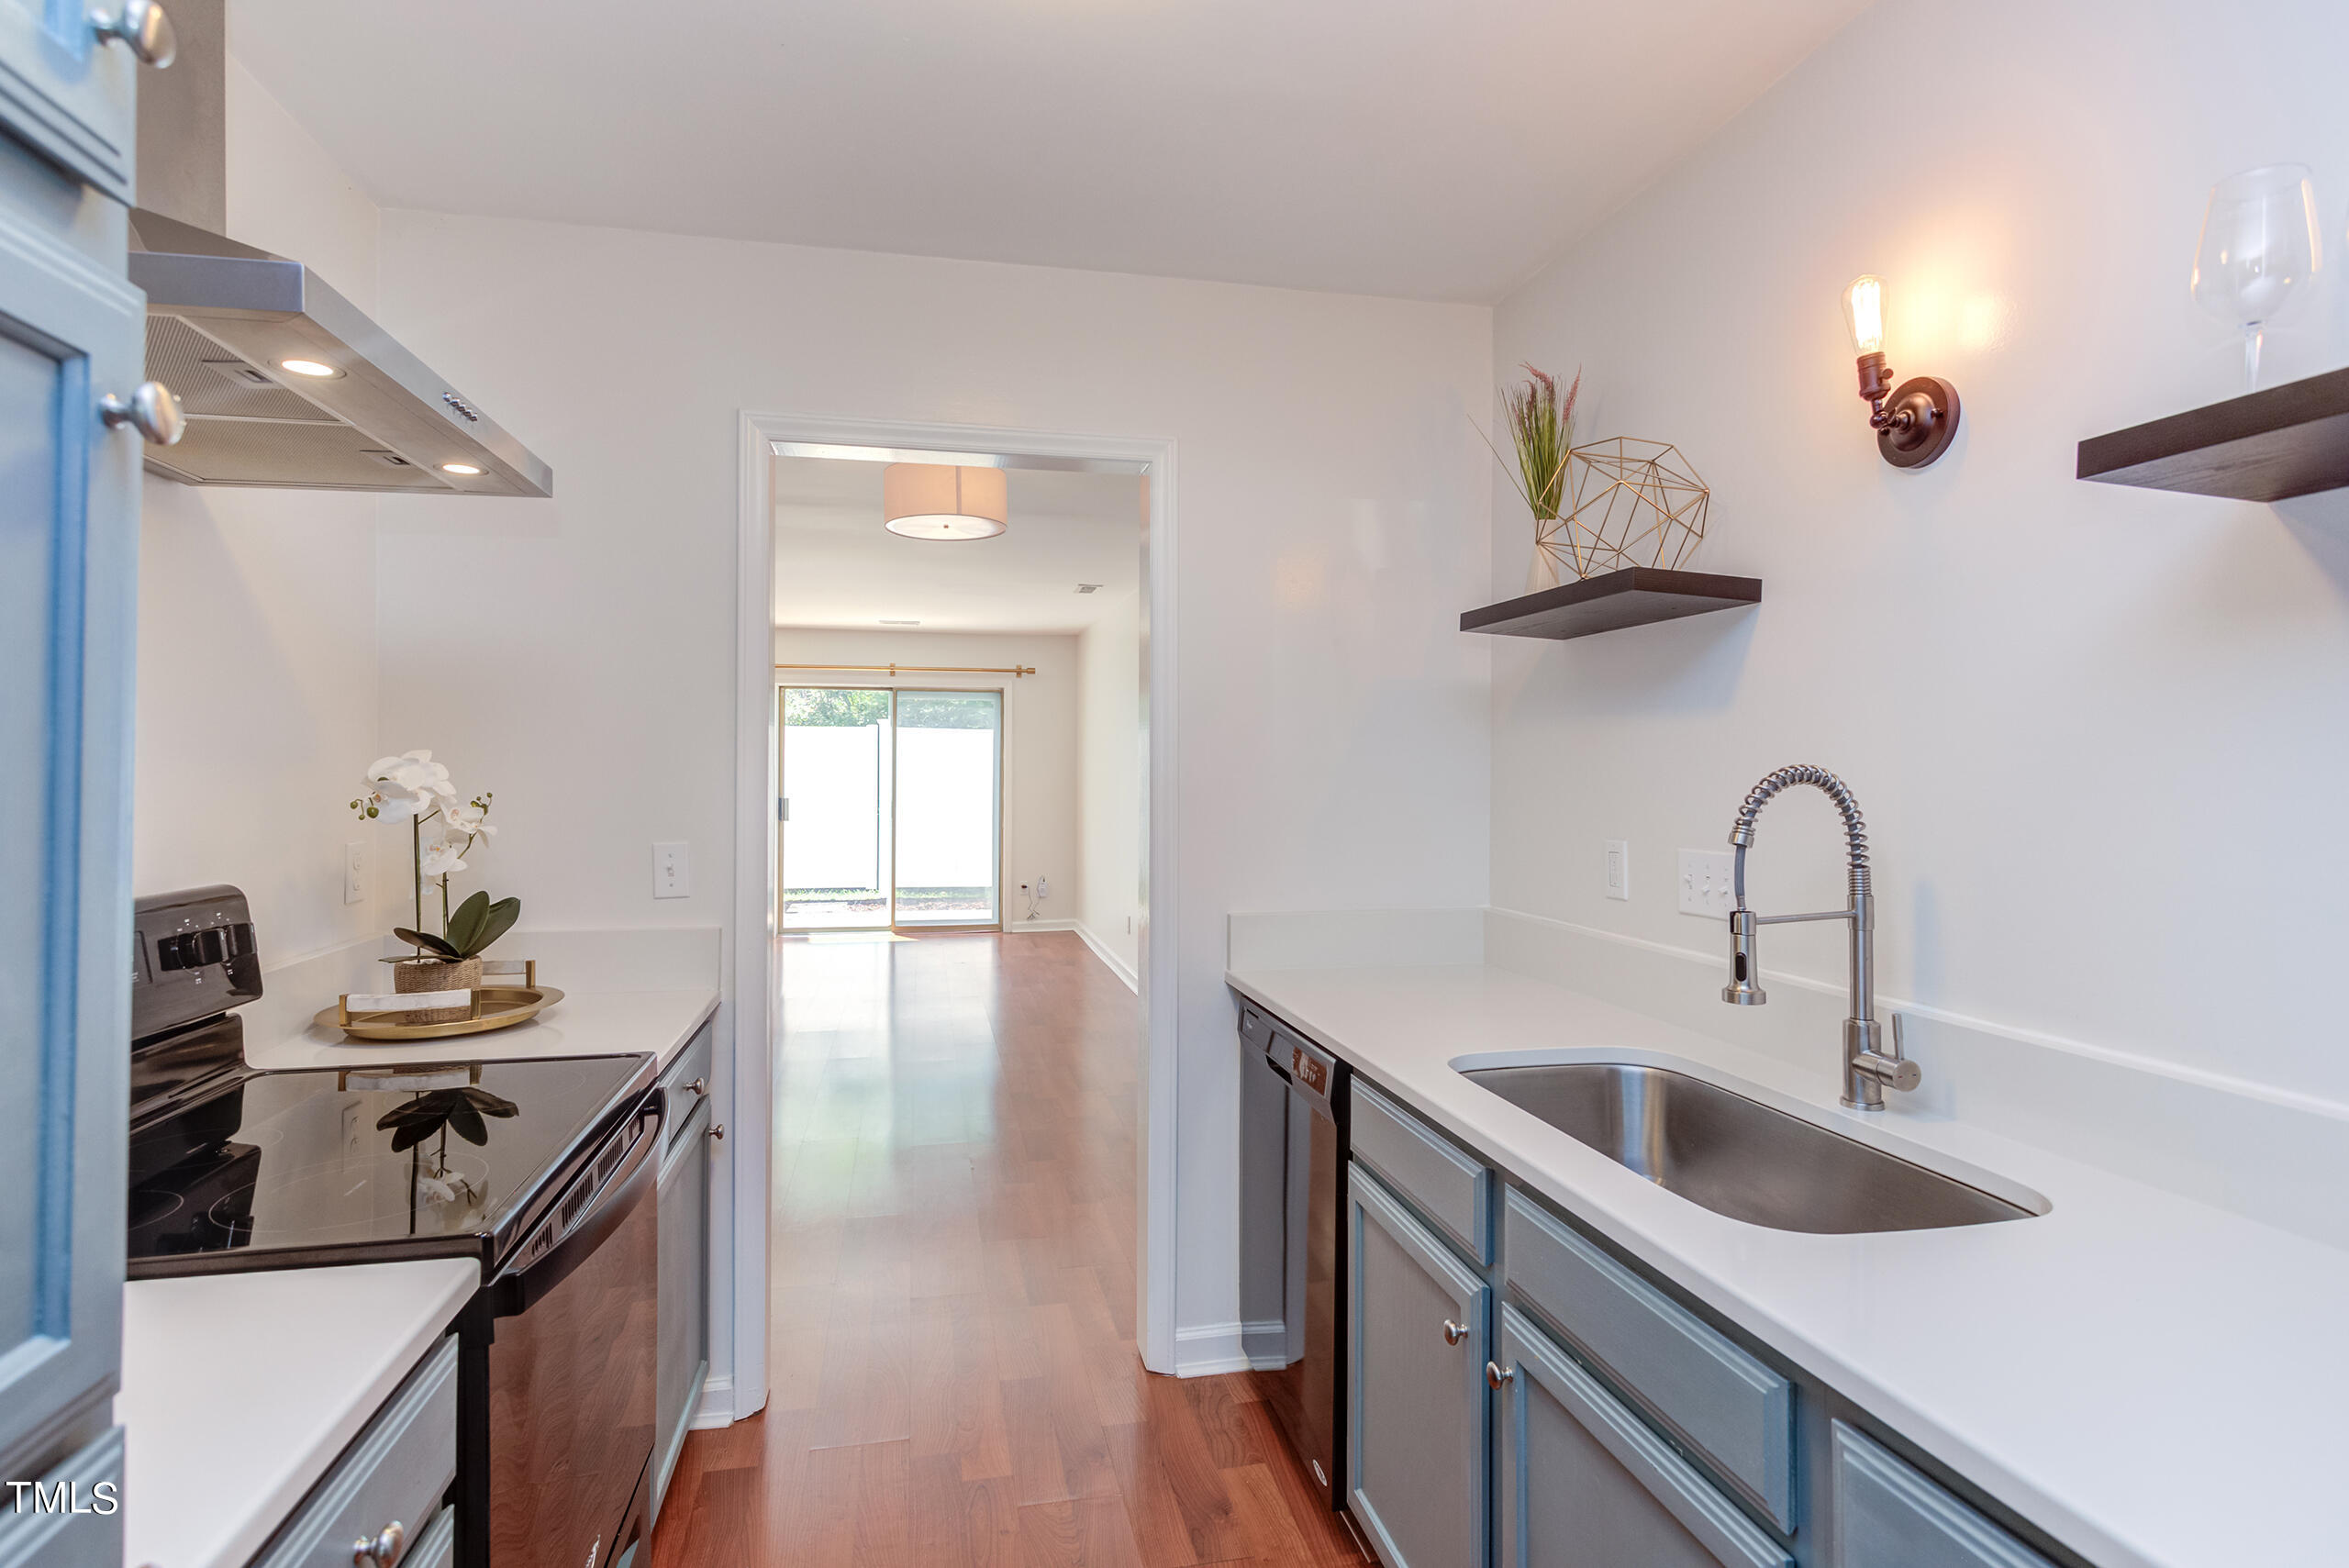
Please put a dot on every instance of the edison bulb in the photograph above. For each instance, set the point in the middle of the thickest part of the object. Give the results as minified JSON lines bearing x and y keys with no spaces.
{"x":1864,"y":314}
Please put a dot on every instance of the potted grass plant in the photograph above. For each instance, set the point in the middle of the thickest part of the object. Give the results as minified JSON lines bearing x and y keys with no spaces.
{"x":1540,"y":429}
{"x":413,"y":788}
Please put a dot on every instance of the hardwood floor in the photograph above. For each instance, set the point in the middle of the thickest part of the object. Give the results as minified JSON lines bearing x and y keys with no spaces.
{"x":954,"y":1377}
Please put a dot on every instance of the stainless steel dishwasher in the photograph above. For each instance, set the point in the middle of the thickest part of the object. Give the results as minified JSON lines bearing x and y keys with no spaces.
{"x":1306,"y":1396}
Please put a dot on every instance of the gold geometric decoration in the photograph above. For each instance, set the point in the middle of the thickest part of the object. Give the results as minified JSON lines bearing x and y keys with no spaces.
{"x":1629,"y":503}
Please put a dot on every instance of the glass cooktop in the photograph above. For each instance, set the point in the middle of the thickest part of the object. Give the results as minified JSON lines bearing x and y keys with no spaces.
{"x":366,"y":1162}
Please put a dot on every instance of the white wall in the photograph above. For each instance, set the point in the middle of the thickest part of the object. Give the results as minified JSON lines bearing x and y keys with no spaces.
{"x":256,"y":654}
{"x":1333,"y":514}
{"x":1108,"y":703}
{"x":2100,"y":733}
{"x":1039,"y":836}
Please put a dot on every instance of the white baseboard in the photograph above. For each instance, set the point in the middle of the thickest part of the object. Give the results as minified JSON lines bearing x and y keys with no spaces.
{"x":1117,"y":966}
{"x":717,"y":1405}
{"x":1040,"y":925}
{"x":1205,"y":1349}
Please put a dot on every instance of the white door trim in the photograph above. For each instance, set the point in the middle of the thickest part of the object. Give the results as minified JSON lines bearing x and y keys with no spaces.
{"x":740,"y":1191}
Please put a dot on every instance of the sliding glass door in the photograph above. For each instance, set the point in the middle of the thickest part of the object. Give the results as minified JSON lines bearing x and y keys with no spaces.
{"x":949,"y":808}
{"x":836,"y":791}
{"x":892,"y":808}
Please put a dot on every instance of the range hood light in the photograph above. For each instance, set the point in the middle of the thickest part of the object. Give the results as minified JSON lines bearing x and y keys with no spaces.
{"x":459,"y":468}
{"x":309,"y":368}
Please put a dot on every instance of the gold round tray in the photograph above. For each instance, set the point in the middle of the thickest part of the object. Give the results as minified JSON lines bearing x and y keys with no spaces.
{"x":495,"y":1008}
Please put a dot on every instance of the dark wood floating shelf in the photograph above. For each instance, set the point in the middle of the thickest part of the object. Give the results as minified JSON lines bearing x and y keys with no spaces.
{"x":1633,"y":597}
{"x":2265,"y":446}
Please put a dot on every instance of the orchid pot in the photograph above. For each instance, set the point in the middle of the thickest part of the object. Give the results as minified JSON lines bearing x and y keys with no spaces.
{"x":415,"y":974}
{"x":414,"y":787}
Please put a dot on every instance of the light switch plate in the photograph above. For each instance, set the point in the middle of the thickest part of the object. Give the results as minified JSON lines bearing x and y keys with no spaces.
{"x":673,"y":872}
{"x":1706,"y":883}
{"x":354,"y":873}
{"x":1619,"y":868}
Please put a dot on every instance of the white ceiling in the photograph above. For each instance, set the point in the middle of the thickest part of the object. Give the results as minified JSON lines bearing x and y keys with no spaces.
{"x":836,"y":566}
{"x":1429,"y":148}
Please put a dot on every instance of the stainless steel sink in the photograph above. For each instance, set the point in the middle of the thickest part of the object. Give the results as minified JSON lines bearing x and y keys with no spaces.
{"x":1736,"y":1156}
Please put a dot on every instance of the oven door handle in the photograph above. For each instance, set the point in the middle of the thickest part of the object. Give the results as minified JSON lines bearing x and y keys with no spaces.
{"x":517,"y":1291}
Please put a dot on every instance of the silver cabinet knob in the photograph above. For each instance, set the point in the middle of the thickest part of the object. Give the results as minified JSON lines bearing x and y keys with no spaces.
{"x":717,"y":1129}
{"x":382,"y":1551}
{"x":699,"y":1087}
{"x":1495,"y":1376}
{"x":1454,"y":1333}
{"x":152,"y":411}
{"x":143,"y":29}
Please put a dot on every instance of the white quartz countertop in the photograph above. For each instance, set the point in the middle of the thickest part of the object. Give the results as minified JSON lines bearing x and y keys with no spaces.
{"x":240,"y":1391}
{"x":605,"y":1023}
{"x":2155,"y":1383}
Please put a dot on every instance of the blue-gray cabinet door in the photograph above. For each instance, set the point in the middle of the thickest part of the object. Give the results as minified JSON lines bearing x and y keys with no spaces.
{"x":1889,"y":1516}
{"x":1415,"y":1346}
{"x":72,"y":331}
{"x":69,"y":94}
{"x":684,"y":1361}
{"x":1586,"y":1483}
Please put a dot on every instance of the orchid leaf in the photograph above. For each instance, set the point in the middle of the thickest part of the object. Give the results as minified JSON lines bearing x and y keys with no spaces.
{"x":466,"y":921}
{"x":437,"y":946}
{"x":495,"y":923}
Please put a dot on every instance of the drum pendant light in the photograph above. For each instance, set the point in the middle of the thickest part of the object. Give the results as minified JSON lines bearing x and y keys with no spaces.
{"x":929,"y":500}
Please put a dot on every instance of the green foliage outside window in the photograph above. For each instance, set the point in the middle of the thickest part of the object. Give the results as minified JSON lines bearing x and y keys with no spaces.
{"x":834,"y":706}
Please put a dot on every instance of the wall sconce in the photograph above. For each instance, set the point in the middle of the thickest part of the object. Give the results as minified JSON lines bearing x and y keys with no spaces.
{"x":1915,"y":421}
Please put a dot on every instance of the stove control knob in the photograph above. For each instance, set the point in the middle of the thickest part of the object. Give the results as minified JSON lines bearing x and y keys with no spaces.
{"x":381,"y":1552}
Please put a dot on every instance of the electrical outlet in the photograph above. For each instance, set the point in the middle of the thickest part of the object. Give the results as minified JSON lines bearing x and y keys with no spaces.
{"x":673,"y":872}
{"x":354,"y":873}
{"x":1706,"y":887}
{"x":1619,"y":868}
{"x":1043,"y":887}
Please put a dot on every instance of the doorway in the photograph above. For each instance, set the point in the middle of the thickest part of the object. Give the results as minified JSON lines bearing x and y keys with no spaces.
{"x":743,"y":1196}
{"x":891,"y":809}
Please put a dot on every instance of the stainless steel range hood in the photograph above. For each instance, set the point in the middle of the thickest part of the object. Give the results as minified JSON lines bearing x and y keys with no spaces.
{"x":225,"y":319}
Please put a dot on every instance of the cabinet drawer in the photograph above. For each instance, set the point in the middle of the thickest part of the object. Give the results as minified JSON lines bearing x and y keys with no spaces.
{"x":1889,"y":1516}
{"x":1585,"y":1482}
{"x":396,"y":1471}
{"x":437,"y":1546}
{"x":43,"y":1527}
{"x":689,"y":1066}
{"x":67,"y":95}
{"x":1447,"y":1187}
{"x":1707,"y":1391}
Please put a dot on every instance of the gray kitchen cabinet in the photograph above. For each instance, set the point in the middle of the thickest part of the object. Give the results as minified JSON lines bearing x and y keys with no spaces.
{"x":69,"y":91}
{"x":1889,"y":1516}
{"x":389,"y":1485}
{"x":1586,"y":1483}
{"x":683,"y":1361}
{"x":1416,"y":1340}
{"x":73,"y":334}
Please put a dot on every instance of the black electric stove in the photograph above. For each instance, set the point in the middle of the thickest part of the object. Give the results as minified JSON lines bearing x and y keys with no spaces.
{"x":233,"y":1169}
{"x":543,"y":1169}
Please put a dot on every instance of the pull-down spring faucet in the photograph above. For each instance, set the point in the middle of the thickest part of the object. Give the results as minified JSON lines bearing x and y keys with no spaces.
{"x":1867,"y":1069}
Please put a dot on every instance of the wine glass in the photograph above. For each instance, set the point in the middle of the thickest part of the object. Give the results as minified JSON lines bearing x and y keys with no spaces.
{"x":2259,"y":244}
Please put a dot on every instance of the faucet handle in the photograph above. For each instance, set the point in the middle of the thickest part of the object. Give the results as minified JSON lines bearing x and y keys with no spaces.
{"x":1892,"y":1072}
{"x":1896,"y":1071}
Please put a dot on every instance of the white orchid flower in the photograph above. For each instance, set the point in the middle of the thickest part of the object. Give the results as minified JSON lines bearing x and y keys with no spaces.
{"x":443,"y":856}
{"x":469,"y":820}
{"x":411,"y":784}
